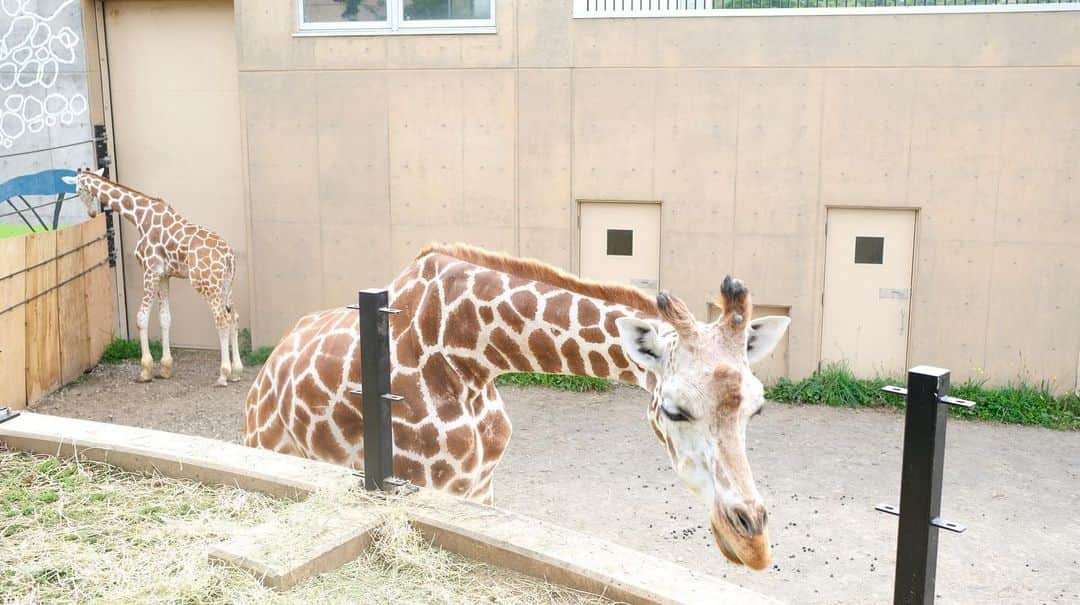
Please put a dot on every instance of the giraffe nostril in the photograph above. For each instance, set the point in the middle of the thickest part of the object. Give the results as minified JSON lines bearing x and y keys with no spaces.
{"x":748,"y":521}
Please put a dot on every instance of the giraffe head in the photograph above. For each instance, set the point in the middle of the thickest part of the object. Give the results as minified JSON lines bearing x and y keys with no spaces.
{"x":81,"y":181}
{"x":705,"y":395}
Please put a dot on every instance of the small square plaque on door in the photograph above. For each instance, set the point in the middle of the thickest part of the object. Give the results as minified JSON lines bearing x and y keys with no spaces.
{"x":620,"y":242}
{"x":869,"y":250}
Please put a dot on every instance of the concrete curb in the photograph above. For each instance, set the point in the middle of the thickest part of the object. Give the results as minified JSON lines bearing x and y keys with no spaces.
{"x":479,"y":532}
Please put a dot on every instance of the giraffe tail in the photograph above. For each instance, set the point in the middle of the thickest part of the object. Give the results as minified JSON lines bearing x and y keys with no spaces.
{"x":226,"y":290}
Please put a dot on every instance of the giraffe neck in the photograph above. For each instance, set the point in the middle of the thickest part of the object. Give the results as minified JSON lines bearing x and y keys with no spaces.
{"x":504,"y":324}
{"x":133,"y":206}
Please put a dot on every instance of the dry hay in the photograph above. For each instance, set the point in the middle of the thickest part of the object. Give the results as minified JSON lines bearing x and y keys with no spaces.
{"x":87,"y":532}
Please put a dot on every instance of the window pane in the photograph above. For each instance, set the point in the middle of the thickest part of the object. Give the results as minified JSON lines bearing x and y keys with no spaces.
{"x":620,"y":242}
{"x":336,"y":11}
{"x":435,"y":10}
{"x":869,"y":250}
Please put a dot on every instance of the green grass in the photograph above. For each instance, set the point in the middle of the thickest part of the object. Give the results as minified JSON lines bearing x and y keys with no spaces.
{"x":120,"y":350}
{"x":1013,"y":404}
{"x":252,"y":357}
{"x":577,"y":384}
{"x":14,"y":230}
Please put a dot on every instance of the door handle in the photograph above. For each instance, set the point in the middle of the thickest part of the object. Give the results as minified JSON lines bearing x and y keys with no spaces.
{"x":902,"y":314}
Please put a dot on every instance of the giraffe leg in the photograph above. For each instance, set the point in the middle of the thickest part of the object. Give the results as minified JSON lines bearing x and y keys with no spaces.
{"x":150,"y":284}
{"x":226,"y":367}
{"x":165,"y":315}
{"x":234,"y":334}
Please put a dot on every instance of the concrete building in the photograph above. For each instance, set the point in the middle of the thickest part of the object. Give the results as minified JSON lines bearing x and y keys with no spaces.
{"x":904,"y":183}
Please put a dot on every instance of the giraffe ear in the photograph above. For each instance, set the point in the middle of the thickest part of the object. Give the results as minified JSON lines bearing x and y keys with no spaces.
{"x":765,"y":334}
{"x":70,"y":180}
{"x":642,"y":343}
{"x":99,"y":171}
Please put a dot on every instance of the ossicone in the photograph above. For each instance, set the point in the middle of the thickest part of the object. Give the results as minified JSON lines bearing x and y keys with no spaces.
{"x":675,"y":312}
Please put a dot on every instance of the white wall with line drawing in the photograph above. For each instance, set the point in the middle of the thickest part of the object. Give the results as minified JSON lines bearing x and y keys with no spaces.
{"x":44,"y":109}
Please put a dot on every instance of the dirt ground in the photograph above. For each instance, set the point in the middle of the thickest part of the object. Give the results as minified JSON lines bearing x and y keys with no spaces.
{"x":589,"y":462}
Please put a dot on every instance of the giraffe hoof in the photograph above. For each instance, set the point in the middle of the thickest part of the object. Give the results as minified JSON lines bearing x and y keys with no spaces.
{"x":165,"y":371}
{"x":222,"y":382}
{"x":144,"y":377}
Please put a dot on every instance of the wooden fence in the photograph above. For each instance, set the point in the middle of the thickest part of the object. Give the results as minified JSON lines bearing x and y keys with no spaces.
{"x":56,"y":309}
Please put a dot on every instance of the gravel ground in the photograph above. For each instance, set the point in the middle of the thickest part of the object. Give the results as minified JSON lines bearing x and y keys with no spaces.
{"x":589,"y":462}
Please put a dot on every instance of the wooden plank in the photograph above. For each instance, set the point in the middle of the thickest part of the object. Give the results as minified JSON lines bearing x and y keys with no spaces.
{"x":74,"y":340}
{"x":42,"y":318}
{"x":100,"y":308}
{"x":12,"y":324}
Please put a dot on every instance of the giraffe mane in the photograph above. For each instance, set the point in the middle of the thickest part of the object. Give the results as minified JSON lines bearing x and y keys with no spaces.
{"x":131,"y":190}
{"x":539,"y":271}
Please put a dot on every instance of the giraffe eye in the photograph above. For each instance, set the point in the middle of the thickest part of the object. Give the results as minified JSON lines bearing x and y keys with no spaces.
{"x":676,"y":416}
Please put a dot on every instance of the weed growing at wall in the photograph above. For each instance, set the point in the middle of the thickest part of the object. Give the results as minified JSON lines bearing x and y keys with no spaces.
{"x":1014,"y":404}
{"x":120,"y":350}
{"x":252,"y":357}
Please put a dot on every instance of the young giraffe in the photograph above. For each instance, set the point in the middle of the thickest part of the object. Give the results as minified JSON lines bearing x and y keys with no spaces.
{"x":468,"y":315}
{"x":170,"y":246}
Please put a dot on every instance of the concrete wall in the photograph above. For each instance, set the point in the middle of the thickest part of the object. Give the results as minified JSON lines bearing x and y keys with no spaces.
{"x":361,"y":149}
{"x":45,"y":113}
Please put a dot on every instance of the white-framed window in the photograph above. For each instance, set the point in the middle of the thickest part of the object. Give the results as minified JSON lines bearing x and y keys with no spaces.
{"x":387,"y":17}
{"x":607,"y":9}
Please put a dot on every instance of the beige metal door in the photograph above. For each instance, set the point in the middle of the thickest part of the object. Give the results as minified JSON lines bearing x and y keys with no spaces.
{"x":176,"y":120}
{"x":868,"y":255}
{"x":620,"y":242}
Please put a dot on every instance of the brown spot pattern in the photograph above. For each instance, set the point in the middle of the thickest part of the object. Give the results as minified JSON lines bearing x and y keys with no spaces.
{"x":430,"y":316}
{"x":511,"y":318}
{"x":471,"y":370}
{"x":441,"y":473}
{"x":410,"y":469}
{"x":496,"y":358}
{"x":557,"y":311}
{"x":617,"y":357}
{"x":609,"y":323}
{"x":574,"y":361}
{"x":409,"y":348}
{"x":349,"y":421}
{"x":441,"y":380}
{"x":510,"y":350}
{"x":487,"y":285}
{"x":599,"y":364}
{"x":463,"y":326}
{"x":593,"y":335}
{"x":543,"y":349}
{"x":325,"y":444}
{"x":412,"y":408}
{"x":460,"y":441}
{"x":495,"y":431}
{"x":588,"y":313}
{"x":525,"y":304}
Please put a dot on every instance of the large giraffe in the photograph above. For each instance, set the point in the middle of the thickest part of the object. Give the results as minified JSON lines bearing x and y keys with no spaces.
{"x":170,"y":246}
{"x":468,"y":315}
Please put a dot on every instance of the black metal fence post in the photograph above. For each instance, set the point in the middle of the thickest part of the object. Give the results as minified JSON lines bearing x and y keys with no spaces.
{"x":375,"y":377}
{"x":101,"y":153}
{"x":920,"y":484}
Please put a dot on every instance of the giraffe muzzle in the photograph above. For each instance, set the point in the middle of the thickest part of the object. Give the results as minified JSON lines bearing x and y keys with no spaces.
{"x":741,"y":532}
